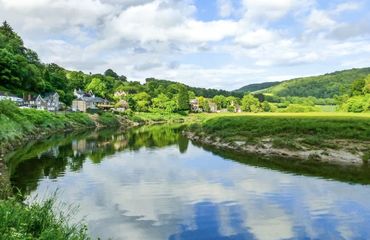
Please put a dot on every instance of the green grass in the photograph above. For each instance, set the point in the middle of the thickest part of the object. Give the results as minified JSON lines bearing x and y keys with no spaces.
{"x":288,"y":130}
{"x":285,"y":125}
{"x":157,"y":117}
{"x":19,"y":221}
{"x":108,"y":119}
{"x":16,"y":124}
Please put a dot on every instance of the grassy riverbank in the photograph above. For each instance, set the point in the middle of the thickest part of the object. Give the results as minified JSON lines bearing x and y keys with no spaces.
{"x":19,"y":125}
{"x":313,"y":135}
{"x":37,"y":221}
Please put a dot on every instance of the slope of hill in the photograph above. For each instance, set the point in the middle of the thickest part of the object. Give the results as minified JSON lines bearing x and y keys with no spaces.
{"x":256,"y":87}
{"x":322,"y":86}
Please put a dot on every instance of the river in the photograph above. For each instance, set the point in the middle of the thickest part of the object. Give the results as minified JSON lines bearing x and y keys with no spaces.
{"x":152,"y":183}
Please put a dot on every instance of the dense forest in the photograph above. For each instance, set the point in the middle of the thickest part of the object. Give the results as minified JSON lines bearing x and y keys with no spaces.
{"x":256,"y":87}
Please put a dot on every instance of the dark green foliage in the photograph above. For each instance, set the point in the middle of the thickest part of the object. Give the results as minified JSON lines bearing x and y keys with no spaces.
{"x":357,"y":87}
{"x":183,"y":99}
{"x":111,"y":73}
{"x":256,"y":86}
{"x":160,"y":86}
{"x":37,"y":221}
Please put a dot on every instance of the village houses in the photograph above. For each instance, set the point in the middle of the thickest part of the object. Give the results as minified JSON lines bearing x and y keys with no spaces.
{"x":87,"y":100}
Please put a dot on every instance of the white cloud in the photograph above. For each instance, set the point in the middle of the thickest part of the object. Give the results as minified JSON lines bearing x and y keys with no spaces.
{"x":256,"y":38}
{"x":271,"y":10}
{"x":225,"y":8}
{"x":319,"y":20}
{"x":160,"y":22}
{"x":159,"y":38}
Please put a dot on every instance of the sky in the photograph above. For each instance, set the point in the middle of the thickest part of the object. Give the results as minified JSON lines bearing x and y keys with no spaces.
{"x":223,"y":44}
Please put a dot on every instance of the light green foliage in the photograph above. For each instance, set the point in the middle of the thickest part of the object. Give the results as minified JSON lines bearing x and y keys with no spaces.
{"x":97,"y":86}
{"x":357,"y":104}
{"x":360,"y":100}
{"x":163,"y":103}
{"x":220,"y":101}
{"x":191,"y":95}
{"x":142,"y":101}
{"x":250,"y":104}
{"x":296,"y":108}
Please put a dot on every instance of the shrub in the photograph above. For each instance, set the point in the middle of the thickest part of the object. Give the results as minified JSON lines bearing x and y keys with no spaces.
{"x":296,"y":108}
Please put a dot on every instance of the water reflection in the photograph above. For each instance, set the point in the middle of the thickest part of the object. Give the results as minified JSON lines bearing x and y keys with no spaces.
{"x":151,"y":183}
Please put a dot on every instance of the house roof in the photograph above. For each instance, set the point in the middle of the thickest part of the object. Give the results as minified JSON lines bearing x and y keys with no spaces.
{"x":50,"y":95}
{"x":93,"y":99}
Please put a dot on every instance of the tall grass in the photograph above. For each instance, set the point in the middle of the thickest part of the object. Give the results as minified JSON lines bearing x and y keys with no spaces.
{"x":19,"y":221}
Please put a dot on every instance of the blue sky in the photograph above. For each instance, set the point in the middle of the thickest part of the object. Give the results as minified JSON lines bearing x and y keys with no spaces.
{"x":207,"y":43}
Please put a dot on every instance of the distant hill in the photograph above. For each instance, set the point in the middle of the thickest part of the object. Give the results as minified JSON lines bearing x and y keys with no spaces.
{"x":322,"y":86}
{"x":256,"y":86}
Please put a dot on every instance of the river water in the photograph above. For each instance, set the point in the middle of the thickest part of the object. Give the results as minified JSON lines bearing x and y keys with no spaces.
{"x":152,"y":183}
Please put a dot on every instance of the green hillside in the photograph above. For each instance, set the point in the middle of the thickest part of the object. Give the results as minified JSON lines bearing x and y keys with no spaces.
{"x":256,"y":87}
{"x":323,"y":86}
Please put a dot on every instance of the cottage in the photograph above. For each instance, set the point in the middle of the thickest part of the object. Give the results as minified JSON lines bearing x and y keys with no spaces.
{"x":194,"y":105}
{"x":120,"y":94}
{"x":85,"y":101}
{"x":50,"y":102}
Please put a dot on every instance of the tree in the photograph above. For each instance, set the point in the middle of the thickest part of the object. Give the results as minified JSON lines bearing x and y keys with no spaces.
{"x":163,"y":103}
{"x":132,"y":103}
{"x":266,"y":107}
{"x":183,"y":99}
{"x":366,"y":88}
{"x":220,"y":101}
{"x":111,"y":73}
{"x":250,"y":104}
{"x":97,"y":87}
{"x":142,"y":99}
{"x":357,"y":87}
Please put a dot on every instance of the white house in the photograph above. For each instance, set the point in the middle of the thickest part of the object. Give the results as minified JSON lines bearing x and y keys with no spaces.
{"x":13,"y":98}
{"x":50,"y":102}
